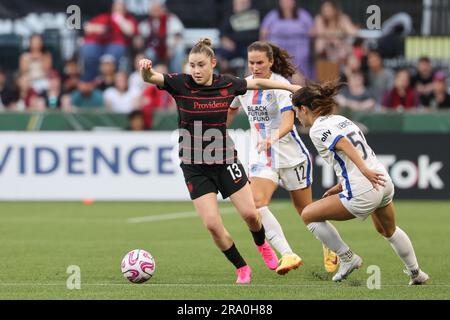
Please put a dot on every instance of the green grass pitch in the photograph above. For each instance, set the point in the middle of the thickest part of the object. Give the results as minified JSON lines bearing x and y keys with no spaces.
{"x":38,"y":241}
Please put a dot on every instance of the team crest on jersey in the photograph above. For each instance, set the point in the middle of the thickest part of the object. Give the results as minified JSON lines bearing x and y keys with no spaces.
{"x":269,"y":97}
{"x":223,"y":92}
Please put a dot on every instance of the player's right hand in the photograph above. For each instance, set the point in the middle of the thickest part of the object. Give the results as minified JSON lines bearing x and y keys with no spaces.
{"x":376,"y":178}
{"x":146,"y":64}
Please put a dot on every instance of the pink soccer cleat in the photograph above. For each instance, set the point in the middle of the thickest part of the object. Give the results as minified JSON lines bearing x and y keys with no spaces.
{"x":244,"y":275}
{"x":269,"y":256}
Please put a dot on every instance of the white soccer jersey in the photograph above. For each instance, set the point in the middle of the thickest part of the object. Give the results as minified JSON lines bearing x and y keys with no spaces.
{"x":325,"y":133}
{"x":264,"y":109}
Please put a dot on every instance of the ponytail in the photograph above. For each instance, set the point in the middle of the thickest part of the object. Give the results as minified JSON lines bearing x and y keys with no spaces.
{"x":318,"y":97}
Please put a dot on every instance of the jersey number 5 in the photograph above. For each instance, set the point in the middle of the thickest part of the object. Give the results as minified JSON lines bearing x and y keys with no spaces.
{"x":235,"y":172}
{"x":356,"y":142}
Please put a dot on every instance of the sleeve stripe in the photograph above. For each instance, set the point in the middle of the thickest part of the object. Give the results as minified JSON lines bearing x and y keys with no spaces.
{"x":333,"y":145}
{"x":288,"y":108}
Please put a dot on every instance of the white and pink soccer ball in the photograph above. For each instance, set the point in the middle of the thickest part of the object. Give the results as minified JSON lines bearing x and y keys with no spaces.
{"x":138,"y":266}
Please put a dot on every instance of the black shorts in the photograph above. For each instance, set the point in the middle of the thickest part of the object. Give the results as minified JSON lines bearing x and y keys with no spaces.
{"x":202,"y":179}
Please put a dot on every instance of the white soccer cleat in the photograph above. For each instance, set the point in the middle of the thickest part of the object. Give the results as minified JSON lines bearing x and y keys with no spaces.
{"x":417,"y":278}
{"x":347,"y":267}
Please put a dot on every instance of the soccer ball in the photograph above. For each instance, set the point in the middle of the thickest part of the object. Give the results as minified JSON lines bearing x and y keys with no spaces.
{"x":138,"y":266}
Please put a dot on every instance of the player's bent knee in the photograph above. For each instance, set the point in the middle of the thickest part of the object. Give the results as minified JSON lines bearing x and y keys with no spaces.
{"x":251,"y":216}
{"x":307,"y":215}
{"x":213,"y":227}
{"x":388,"y":232}
{"x":261,"y":202}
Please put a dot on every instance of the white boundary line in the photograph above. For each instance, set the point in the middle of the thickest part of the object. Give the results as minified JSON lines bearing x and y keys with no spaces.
{"x":218,"y":285}
{"x":186,"y":214}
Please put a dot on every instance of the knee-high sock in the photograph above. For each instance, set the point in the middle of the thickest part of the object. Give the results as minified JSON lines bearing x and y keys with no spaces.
{"x":329,"y":236}
{"x":404,"y":249}
{"x":274,"y":233}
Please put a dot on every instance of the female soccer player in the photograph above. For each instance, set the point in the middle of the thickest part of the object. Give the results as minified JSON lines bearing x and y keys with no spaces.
{"x":208,"y":158}
{"x":365,"y":187}
{"x":282,"y":157}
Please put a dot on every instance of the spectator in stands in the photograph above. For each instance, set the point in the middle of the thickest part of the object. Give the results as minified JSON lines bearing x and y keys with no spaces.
{"x":71,"y":76}
{"x":154,"y":99}
{"x":356,"y":97}
{"x":440,"y":98}
{"x":108,"y":33}
{"x":423,"y":81}
{"x":402,"y":96}
{"x":24,"y":96}
{"x":107,"y":72}
{"x":87,"y":96}
{"x":164,"y":33}
{"x":289,"y":27}
{"x":135,"y":80}
{"x":335,"y":33}
{"x":120,"y":98}
{"x":6,"y":93}
{"x":239,"y":29}
{"x":136,"y":121}
{"x":352,"y":65}
{"x":53,"y":97}
{"x":36,"y":63}
{"x":380,"y":79}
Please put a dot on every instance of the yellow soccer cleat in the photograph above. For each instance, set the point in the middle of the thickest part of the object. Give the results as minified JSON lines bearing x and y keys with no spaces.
{"x":289,"y":262}
{"x":330,"y":260}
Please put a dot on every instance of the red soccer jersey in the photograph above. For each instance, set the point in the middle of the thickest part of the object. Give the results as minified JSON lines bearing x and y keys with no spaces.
{"x":203,"y":114}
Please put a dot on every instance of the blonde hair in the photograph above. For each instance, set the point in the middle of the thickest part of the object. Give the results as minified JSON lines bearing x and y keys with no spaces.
{"x":204,"y":45}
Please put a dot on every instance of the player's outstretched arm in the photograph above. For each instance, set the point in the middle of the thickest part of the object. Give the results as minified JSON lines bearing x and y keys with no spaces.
{"x":376,"y":178}
{"x":149,"y":75}
{"x":265,"y":84}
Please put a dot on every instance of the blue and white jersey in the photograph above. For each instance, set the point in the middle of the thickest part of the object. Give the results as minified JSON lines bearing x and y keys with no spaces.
{"x":264,"y":109}
{"x":325,"y":133}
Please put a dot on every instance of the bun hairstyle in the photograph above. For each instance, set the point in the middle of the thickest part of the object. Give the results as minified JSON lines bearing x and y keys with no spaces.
{"x":319,"y":98}
{"x":204,"y":45}
{"x":281,"y":59}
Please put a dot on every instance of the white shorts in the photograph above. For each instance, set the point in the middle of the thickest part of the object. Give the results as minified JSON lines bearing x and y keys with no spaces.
{"x":293,"y":178}
{"x":366,"y":203}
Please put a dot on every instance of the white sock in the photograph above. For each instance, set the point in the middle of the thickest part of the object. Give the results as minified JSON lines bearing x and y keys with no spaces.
{"x":329,"y":236}
{"x":404,"y":249}
{"x":274,"y":233}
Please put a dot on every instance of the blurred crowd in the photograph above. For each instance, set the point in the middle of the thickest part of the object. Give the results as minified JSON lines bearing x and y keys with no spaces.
{"x":104,"y":73}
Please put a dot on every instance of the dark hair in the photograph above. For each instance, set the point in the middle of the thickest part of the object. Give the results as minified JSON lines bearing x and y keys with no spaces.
{"x":135,"y":114}
{"x":280,"y":57}
{"x":424,"y":59}
{"x":318,"y":97}
{"x":204,"y":45}
{"x":294,"y":13}
{"x":41,"y":37}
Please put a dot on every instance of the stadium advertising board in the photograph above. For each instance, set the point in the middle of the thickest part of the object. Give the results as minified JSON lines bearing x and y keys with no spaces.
{"x":144,"y":166}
